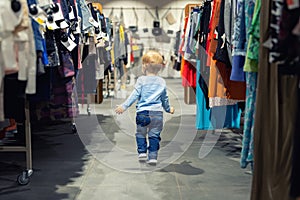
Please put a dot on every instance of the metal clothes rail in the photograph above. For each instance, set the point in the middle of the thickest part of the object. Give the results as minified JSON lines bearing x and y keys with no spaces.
{"x":142,"y":8}
{"x":24,"y":177}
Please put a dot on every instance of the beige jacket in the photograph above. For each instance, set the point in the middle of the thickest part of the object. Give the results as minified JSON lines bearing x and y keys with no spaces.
{"x":17,"y":48}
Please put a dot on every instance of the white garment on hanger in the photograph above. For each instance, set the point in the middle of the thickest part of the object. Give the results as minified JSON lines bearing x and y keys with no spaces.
{"x":8,"y":22}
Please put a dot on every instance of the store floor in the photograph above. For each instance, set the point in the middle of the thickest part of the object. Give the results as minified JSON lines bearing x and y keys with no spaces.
{"x":100,"y":161}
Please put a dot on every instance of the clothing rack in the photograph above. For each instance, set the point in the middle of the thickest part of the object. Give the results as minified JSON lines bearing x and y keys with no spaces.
{"x":24,"y":177}
{"x":142,"y":8}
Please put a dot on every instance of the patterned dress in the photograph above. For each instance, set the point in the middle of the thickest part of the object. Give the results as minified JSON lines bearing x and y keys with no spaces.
{"x":251,"y":82}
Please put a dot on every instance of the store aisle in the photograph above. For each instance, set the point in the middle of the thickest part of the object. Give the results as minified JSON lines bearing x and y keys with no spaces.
{"x":101,"y":163}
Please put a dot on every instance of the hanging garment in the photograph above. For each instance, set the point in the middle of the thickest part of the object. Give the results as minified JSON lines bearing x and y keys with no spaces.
{"x":86,"y":81}
{"x":52,"y":49}
{"x":225,"y":117}
{"x":217,"y":92}
{"x":267,"y":100}
{"x":29,"y":74}
{"x":251,"y":81}
{"x":275,"y":120}
{"x":212,"y":39}
{"x":247,"y":149}
{"x":14,"y":98}
{"x":245,"y":9}
{"x":119,"y":43}
{"x":38,"y":37}
{"x":84,"y":14}
{"x":217,"y":117}
{"x":9,"y":20}
{"x":295,"y":176}
{"x":1,"y":101}
{"x":202,"y":54}
{"x":289,"y":49}
{"x":234,"y":90}
{"x":66,"y":69}
{"x":190,"y":48}
{"x":187,"y":27}
{"x":244,"y":14}
{"x":103,"y":62}
{"x":204,"y":24}
{"x":251,"y":63}
{"x":210,"y":27}
{"x":221,"y":54}
{"x":203,"y":77}
{"x":288,"y":41}
{"x":43,"y":87}
{"x":63,"y":100}
{"x":272,"y":42}
{"x":203,"y":111}
{"x":188,"y":73}
{"x":229,"y":17}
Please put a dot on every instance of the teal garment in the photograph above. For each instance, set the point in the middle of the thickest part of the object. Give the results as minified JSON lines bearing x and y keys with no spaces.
{"x":217,"y":117}
{"x":251,"y":67}
{"x":248,"y":147}
{"x":203,"y":115}
{"x":251,"y":63}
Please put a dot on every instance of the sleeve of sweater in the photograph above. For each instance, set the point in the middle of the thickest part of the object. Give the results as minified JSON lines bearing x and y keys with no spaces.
{"x":135,"y":94}
{"x":165,"y":101}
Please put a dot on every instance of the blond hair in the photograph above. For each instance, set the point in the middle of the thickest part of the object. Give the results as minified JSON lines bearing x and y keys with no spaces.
{"x":152,"y":61}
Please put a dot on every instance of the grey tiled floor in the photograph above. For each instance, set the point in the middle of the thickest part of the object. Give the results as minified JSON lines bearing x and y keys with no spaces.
{"x":101,"y":163}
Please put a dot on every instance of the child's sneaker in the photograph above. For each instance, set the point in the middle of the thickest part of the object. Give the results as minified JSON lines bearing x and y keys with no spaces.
{"x":142,"y":156}
{"x":152,"y":161}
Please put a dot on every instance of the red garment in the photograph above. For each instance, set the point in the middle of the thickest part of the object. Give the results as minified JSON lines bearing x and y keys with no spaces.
{"x":234,"y":89}
{"x":188,"y":74}
{"x":210,"y":27}
{"x":213,"y":41}
{"x":131,"y":51}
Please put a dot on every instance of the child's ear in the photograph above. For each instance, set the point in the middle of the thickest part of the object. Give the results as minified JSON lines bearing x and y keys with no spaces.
{"x":144,"y":69}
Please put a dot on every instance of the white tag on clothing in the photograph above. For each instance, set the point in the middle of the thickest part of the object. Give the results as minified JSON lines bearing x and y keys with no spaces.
{"x":71,"y":14}
{"x":70,"y":44}
{"x":63,"y":25}
{"x":57,"y":16}
{"x":40,"y":17}
{"x":93,"y":22}
{"x":51,"y":25}
{"x":43,"y":3}
{"x":72,"y":37}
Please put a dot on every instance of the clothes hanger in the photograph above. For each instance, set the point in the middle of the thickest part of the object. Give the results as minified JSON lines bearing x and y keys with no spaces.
{"x":15,"y":5}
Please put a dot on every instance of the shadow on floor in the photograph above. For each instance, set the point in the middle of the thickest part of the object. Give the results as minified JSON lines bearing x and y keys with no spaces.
{"x":184,"y":167}
{"x":59,"y":158}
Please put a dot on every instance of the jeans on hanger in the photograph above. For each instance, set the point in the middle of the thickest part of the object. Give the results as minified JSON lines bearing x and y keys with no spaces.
{"x":86,"y":15}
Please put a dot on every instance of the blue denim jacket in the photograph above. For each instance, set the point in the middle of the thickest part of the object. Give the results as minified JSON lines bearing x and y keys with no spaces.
{"x":85,"y":14}
{"x":39,"y":41}
{"x":151,"y":94}
{"x":38,"y":38}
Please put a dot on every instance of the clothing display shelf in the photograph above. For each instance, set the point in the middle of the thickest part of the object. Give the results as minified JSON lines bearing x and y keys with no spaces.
{"x":24,"y":177}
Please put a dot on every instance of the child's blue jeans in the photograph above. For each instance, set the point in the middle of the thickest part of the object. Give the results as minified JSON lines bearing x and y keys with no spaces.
{"x":151,"y":123}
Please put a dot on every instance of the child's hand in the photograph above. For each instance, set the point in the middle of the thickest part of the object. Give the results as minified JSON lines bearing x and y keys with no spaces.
{"x":119,"y":109}
{"x":172,"y":110}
